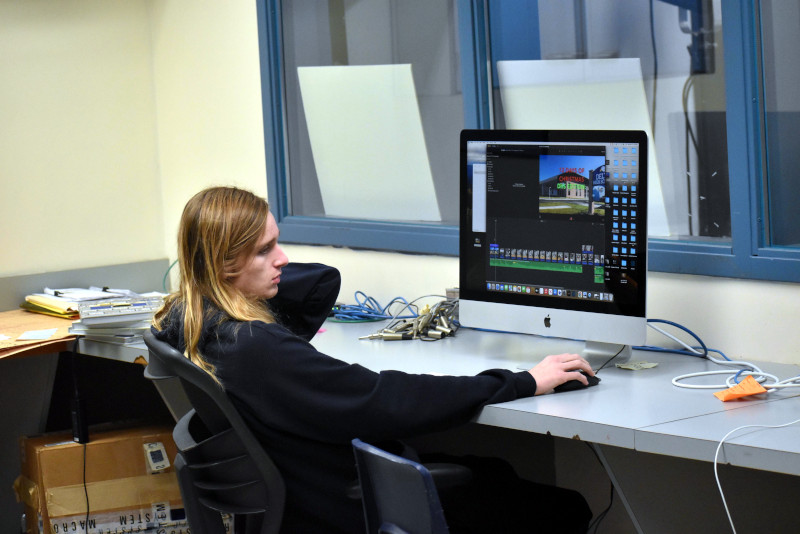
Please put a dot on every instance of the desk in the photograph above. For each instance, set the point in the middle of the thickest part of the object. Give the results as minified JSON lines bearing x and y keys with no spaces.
{"x":16,"y":322}
{"x":633,"y":410}
{"x":776,"y":449}
{"x":639,"y":410}
{"x":29,"y":371}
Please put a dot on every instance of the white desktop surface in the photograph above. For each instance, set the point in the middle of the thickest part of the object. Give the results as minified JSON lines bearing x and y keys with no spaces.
{"x":639,"y":410}
{"x":769,"y":449}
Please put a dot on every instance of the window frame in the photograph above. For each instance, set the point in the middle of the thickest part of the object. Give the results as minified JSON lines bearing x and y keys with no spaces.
{"x":745,"y":256}
{"x":424,"y":238}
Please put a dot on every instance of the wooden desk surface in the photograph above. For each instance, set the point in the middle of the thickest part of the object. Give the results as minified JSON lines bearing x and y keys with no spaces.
{"x":16,"y":322}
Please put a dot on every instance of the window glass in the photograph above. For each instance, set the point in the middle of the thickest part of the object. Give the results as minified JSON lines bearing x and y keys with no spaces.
{"x":681,"y":59}
{"x":351,"y":34}
{"x":780,"y":35}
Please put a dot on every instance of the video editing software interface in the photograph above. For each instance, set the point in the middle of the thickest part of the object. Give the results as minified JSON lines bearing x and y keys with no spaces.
{"x":559,"y":220}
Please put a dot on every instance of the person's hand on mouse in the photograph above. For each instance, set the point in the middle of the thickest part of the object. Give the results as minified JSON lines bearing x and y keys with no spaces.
{"x":556,"y":369}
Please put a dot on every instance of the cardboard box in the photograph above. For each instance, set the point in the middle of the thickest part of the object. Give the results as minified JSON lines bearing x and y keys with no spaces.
{"x":130,"y":488}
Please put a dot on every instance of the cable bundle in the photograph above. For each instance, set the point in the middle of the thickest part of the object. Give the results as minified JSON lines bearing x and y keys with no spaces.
{"x":429,"y":324}
{"x":368,"y":309}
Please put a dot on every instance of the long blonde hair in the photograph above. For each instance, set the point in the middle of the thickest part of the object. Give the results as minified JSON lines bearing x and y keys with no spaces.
{"x":218,"y":228}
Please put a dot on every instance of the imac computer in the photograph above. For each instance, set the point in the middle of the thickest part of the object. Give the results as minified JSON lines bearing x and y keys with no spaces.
{"x":553,"y":235}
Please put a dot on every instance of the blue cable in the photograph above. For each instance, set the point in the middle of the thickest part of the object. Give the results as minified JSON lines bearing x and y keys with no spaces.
{"x":680,"y":351}
{"x":367,"y":308}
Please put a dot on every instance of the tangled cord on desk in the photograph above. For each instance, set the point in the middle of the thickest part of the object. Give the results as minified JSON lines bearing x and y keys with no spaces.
{"x":409,"y":322}
{"x":368,"y":309}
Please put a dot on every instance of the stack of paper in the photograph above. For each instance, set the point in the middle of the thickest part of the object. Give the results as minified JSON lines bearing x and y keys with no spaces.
{"x":65,"y":302}
{"x":50,"y":305}
{"x":121,"y":321}
{"x":128,"y":334}
{"x":103,"y":314}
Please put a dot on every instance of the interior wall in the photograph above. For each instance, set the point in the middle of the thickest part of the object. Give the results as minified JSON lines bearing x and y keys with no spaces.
{"x":78,"y":158}
{"x":208,"y":101}
{"x":113,"y":114}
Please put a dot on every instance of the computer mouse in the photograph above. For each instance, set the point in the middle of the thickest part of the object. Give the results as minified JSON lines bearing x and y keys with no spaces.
{"x":572,"y":385}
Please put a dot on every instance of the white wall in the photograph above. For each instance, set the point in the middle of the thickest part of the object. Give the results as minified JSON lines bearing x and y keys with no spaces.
{"x":114,"y":113}
{"x":208,"y":100}
{"x":80,"y":184}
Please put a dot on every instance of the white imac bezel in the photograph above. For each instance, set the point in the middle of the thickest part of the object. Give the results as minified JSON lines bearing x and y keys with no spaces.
{"x":605,"y":335}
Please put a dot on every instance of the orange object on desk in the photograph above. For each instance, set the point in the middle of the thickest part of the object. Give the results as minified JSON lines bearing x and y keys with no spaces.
{"x":745,"y":388}
{"x":14,"y":323}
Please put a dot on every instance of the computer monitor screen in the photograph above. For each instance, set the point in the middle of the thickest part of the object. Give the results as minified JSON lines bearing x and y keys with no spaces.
{"x":553,"y":234}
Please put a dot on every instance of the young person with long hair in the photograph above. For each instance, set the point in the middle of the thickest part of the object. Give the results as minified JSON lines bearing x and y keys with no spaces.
{"x":245,"y":314}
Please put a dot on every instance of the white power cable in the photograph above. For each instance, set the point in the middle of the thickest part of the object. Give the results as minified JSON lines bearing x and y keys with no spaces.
{"x":749,"y":369}
{"x":716,"y":458}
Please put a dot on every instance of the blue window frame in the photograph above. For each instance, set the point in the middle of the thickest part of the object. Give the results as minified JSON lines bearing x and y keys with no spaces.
{"x":356,"y":233}
{"x":748,"y":254}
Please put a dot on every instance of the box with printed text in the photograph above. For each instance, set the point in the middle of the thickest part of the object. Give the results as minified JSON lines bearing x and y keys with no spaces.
{"x":120,"y":481}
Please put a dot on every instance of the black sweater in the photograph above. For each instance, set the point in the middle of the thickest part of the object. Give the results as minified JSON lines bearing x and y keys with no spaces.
{"x":306,"y":407}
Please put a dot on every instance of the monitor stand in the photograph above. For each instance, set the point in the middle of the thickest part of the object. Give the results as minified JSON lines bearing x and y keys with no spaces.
{"x":599,"y":354}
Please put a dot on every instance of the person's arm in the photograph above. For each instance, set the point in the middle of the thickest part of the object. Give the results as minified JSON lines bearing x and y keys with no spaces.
{"x":285,"y":383}
{"x":306,"y":295}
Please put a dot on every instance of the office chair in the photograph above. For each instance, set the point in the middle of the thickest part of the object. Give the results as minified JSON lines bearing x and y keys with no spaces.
{"x":221,"y":466}
{"x":399,"y":495}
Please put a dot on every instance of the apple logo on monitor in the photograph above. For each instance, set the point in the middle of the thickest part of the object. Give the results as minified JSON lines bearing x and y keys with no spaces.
{"x":547,"y":322}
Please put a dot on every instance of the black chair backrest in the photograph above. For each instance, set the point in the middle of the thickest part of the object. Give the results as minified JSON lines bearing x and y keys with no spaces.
{"x":222,"y":468}
{"x":399,"y":495}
